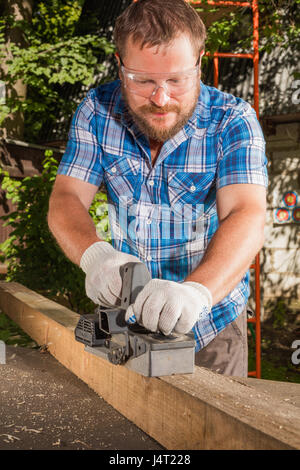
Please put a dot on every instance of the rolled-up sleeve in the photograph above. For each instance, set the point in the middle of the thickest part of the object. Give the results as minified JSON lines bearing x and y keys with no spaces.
{"x":241,"y":153}
{"x":82,"y":158}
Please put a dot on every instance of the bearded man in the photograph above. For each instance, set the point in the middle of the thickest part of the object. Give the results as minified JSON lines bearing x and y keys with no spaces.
{"x":184,"y":167}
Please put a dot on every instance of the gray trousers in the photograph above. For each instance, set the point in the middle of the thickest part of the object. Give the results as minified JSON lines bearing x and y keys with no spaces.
{"x":227,"y":353}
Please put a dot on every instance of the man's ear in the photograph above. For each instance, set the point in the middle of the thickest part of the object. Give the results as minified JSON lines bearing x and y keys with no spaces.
{"x":118,"y":59}
{"x":119,"y":64}
{"x":200,"y":61}
{"x":201,"y":55}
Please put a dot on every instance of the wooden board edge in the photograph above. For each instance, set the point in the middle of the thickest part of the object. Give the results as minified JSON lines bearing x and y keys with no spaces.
{"x":164,"y":408}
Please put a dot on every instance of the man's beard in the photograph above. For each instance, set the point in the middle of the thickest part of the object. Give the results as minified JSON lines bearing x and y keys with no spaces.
{"x":155,"y":132}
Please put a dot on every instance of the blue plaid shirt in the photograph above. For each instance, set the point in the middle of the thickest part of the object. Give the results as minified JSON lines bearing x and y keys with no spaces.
{"x":166,"y":214}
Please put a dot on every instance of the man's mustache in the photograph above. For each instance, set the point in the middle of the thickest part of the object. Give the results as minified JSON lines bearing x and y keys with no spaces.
{"x":150,"y":108}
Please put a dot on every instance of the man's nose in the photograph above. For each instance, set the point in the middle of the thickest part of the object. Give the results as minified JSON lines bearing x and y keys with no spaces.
{"x":159,"y":96}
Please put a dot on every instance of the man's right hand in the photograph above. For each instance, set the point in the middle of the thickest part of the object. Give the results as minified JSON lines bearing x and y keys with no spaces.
{"x":103,"y":282}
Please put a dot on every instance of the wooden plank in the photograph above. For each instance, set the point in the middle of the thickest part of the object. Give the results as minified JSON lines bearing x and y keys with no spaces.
{"x":203,"y":410}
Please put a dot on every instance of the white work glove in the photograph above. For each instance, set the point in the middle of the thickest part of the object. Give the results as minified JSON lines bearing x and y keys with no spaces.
{"x":101,"y":264}
{"x":168,"y":306}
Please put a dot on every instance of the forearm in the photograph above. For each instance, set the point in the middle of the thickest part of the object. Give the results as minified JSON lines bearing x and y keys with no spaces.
{"x":71,"y":225}
{"x":230,"y":253}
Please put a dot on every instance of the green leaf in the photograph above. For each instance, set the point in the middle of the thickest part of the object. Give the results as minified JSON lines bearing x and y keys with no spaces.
{"x":32,"y":254}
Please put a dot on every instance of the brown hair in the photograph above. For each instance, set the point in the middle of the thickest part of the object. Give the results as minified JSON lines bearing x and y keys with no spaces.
{"x":156,"y":22}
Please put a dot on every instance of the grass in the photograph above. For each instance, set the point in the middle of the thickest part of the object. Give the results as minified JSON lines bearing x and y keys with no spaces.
{"x":270,"y":370}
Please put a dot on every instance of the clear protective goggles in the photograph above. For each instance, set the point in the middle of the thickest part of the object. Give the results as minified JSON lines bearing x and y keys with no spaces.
{"x":146,"y":84}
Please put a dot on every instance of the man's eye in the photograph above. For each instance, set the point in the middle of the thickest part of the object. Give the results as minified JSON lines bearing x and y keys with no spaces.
{"x":175,"y":81}
{"x":143,"y":82}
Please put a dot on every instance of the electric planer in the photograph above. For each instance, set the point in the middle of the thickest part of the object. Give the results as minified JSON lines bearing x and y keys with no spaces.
{"x":107,"y":335}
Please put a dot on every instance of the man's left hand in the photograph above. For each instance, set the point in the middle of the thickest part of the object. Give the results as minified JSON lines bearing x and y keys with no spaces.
{"x":167,"y":306}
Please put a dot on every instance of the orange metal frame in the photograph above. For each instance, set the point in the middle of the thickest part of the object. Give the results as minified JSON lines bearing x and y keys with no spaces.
{"x":253,"y":4}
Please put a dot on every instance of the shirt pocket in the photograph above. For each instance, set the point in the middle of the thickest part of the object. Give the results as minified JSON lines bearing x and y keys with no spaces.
{"x":188,"y":192}
{"x":121,"y":178}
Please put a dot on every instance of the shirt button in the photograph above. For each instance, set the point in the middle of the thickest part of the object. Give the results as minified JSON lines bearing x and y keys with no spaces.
{"x":148,"y":222}
{"x":113,"y":170}
{"x":193,"y":188}
{"x":149,"y":258}
{"x":151,"y":183}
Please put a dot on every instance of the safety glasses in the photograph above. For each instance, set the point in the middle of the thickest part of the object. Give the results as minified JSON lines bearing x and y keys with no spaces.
{"x":146,"y":84}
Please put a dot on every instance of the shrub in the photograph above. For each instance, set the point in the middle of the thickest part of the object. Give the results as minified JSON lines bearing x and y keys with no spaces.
{"x":34,"y":258}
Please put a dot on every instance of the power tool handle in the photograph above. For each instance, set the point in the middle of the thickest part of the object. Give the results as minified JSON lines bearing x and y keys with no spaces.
{"x":134,"y":277}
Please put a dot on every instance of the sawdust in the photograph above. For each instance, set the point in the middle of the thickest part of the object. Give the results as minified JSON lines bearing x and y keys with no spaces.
{"x":262,"y":409}
{"x":44,"y":406}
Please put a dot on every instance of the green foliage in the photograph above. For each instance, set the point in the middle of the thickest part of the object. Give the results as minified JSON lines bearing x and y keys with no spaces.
{"x":279,"y":314}
{"x":53,"y":56}
{"x":12,"y":334}
{"x":279,"y":311}
{"x":33,"y":256}
{"x":232,"y":31}
{"x":99,"y":213}
{"x":279,"y":25}
{"x":271,"y":370}
{"x":219,"y":33}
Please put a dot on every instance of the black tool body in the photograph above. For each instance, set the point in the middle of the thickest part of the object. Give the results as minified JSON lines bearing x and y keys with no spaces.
{"x":106,"y":334}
